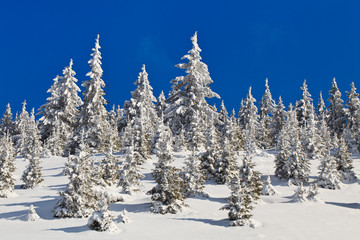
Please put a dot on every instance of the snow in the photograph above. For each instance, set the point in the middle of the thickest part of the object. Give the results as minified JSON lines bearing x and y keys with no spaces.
{"x":274,"y":217}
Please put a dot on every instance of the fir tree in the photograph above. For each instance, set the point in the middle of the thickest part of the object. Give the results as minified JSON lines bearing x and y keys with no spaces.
{"x":194,"y":177}
{"x":32,"y":215}
{"x":225,"y":164}
{"x":130,"y":176}
{"x":300,"y":194}
{"x":268,"y":188}
{"x":266,"y":112}
{"x":167,"y":196}
{"x":21,"y":125}
{"x":92,"y":118}
{"x":188,"y":94}
{"x":7,"y":167}
{"x":140,"y":111}
{"x":353,"y":118}
{"x":320,"y":109}
{"x":78,"y":200}
{"x":7,"y":126}
{"x":32,"y":175}
{"x":109,"y":167}
{"x":161,"y":104}
{"x":344,"y":162}
{"x":58,"y":120}
{"x":329,"y":176}
{"x":336,"y":118}
{"x":278,"y":122}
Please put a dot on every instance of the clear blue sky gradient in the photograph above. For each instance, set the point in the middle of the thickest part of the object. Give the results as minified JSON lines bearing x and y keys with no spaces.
{"x":243,"y":42}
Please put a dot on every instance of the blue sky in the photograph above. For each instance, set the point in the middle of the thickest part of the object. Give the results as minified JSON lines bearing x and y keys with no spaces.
{"x":243,"y":42}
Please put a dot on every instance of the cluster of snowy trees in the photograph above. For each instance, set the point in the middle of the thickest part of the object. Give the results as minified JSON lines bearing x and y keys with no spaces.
{"x":77,"y":127}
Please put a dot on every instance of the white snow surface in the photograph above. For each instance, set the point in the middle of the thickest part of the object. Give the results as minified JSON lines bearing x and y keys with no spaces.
{"x":275,"y":217}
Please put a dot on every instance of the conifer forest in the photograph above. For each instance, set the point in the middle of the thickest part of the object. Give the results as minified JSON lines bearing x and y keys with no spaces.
{"x":156,"y":166}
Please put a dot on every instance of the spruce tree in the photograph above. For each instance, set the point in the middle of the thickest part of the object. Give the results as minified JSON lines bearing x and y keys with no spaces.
{"x":21,"y":127}
{"x":329,"y":176}
{"x":140,"y":111}
{"x":278,"y":121}
{"x":353,"y":118}
{"x":167,"y":196}
{"x":7,"y":167}
{"x":268,"y":188}
{"x":7,"y":126}
{"x":194,"y":177}
{"x":92,"y":118}
{"x":344,"y":162}
{"x":188,"y":96}
{"x":320,"y":109}
{"x":130,"y":176}
{"x":225,"y":163}
{"x":336,"y":118}
{"x":266,"y":112}
{"x":78,"y":200}
{"x":32,"y":175}
{"x":59,"y":113}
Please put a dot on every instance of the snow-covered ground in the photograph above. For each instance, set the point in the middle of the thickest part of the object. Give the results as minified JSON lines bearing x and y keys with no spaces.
{"x":276,"y":216}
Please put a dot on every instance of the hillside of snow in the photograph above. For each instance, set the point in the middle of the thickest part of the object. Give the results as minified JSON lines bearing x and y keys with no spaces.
{"x":276,"y":217}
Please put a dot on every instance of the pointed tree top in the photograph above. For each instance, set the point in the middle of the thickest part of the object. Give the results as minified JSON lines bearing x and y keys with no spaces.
{"x":71,"y":63}
{"x":24,"y":105}
{"x":266,"y":83}
{"x":143,"y":68}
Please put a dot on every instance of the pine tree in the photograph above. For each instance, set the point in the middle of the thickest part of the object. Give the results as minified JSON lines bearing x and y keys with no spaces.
{"x":92,"y":118}
{"x":225,"y":164}
{"x":130,"y":176}
{"x":336,"y":118}
{"x":167,"y":196}
{"x":344,"y":162}
{"x":59,"y":113}
{"x":300,"y":194}
{"x":329,"y":176}
{"x":188,"y":94}
{"x":32,"y":215}
{"x":266,"y":112}
{"x":141,"y":108}
{"x":278,"y":122}
{"x":7,"y":167}
{"x":21,"y":125}
{"x":268,"y":188}
{"x":353,"y":118}
{"x":78,"y":200}
{"x":32,"y":175}
{"x":321,"y":109}
{"x":291,"y":162}
{"x":109,"y":167}
{"x":114,"y":134}
{"x":7,"y":126}
{"x":161,"y":104}
{"x":194,"y":177}
{"x":179,"y":142}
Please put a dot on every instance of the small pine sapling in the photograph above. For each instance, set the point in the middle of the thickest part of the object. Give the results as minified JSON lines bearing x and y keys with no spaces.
{"x":32,"y":215}
{"x":124,"y":216}
{"x":300,"y":194}
{"x":268,"y":188}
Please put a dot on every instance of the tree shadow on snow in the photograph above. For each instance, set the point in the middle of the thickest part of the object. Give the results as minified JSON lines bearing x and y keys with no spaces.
{"x":346,"y":205}
{"x":43,"y":208}
{"x":134,"y":208}
{"x":15,"y":215}
{"x":220,"y":223}
{"x":78,"y":229}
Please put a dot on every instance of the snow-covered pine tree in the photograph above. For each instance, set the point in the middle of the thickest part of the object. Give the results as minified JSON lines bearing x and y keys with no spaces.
{"x":161,"y":104}
{"x":225,"y":164}
{"x":329,"y":176}
{"x":21,"y":125}
{"x":266,"y":112}
{"x":195,"y":136}
{"x":109,"y":167}
{"x":223,"y":117}
{"x":278,"y":122}
{"x":250,"y":179}
{"x":300,"y":194}
{"x":92,"y":118}
{"x":194,"y":177}
{"x":130,"y":176}
{"x":58,"y":121}
{"x":313,"y":193}
{"x":235,"y":137}
{"x":268,"y":188}
{"x":32,"y":215}
{"x":78,"y":200}
{"x":179,"y":142}
{"x":167,"y":196}
{"x":140,"y":110}
{"x":353,"y":118}
{"x":291,"y":162}
{"x":32,"y":175}
{"x":336,"y":118}
{"x":188,"y":95}
{"x":249,"y":120}
{"x":212,"y":153}
{"x":320,"y":109}
{"x":344,"y":162}
{"x":240,"y":203}
{"x":305,"y":114}
{"x":114,"y":134}
{"x":7,"y":167}
{"x":7,"y":126}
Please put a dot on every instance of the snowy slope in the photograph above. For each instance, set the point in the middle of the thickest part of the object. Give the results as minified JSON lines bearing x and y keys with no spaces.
{"x":276,"y":216}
